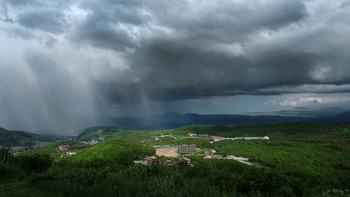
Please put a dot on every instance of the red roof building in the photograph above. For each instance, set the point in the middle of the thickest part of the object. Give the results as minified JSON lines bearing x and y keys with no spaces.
{"x":192,"y":134}
{"x":150,"y":159}
{"x":230,"y":157}
{"x":187,"y":159}
{"x":168,"y":162}
{"x":63,"y":147}
{"x":213,"y":136}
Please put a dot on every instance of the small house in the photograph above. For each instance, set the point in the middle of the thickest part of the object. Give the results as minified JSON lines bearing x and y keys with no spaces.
{"x":150,"y":159}
{"x":70,"y":153}
{"x":168,"y":162}
{"x":186,"y":159}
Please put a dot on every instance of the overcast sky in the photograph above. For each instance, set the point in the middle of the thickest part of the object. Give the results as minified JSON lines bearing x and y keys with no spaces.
{"x":65,"y":65}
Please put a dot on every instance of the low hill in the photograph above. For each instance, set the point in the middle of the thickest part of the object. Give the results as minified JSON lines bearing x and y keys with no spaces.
{"x":112,"y":152}
{"x":94,"y":133}
{"x":343,"y":117}
{"x":52,"y":149}
{"x":21,"y":138}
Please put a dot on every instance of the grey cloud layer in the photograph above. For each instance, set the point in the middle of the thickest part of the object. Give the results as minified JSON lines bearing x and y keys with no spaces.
{"x":183,"y":49}
{"x":128,"y":52}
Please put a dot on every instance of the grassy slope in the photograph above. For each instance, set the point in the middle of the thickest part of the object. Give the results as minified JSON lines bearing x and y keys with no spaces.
{"x":112,"y":151}
{"x":20,"y":138}
{"x":52,"y":149}
{"x":96,"y":132}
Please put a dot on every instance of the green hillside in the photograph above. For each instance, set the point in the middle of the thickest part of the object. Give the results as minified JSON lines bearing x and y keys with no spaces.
{"x":95,"y":133}
{"x":53,"y":151}
{"x":21,"y":138}
{"x":112,"y":151}
{"x":280,"y":130}
{"x":109,"y":151}
{"x":336,"y":132}
{"x":300,"y":159}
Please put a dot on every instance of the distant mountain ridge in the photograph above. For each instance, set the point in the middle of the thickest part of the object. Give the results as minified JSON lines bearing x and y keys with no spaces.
{"x":173,"y":120}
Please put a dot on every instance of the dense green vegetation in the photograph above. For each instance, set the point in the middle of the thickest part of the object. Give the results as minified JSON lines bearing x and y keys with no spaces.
{"x":333,"y":132}
{"x":53,"y":151}
{"x":301,"y":159}
{"x":317,"y":164}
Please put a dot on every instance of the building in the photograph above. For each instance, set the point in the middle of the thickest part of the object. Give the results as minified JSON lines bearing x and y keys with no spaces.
{"x":63,"y":147}
{"x":203,"y":135}
{"x":168,"y":162}
{"x":186,"y":159}
{"x":70,"y":153}
{"x":209,"y":154}
{"x":218,"y":137}
{"x":167,"y":152}
{"x":186,"y":148}
{"x":192,"y":134}
{"x":230,"y":157}
{"x":140,"y":162}
{"x":253,"y":138}
{"x":242,"y":158}
{"x":150,"y":159}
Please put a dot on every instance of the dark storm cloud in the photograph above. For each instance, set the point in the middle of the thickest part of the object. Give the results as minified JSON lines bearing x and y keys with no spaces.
{"x":22,"y":2}
{"x":109,"y":24}
{"x":226,"y":21}
{"x":210,"y":48}
{"x":74,"y":54}
{"x":46,"y":20}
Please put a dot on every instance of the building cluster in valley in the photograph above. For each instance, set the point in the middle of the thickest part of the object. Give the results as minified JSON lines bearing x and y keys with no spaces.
{"x":95,"y":141}
{"x":181,"y":151}
{"x":178,"y":153}
{"x":66,"y":148}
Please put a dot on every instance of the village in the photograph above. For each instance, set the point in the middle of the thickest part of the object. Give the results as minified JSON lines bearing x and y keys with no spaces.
{"x":182,"y":151}
{"x":167,"y":154}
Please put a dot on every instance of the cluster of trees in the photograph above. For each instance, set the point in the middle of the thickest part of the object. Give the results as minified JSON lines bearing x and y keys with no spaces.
{"x":206,"y":178}
{"x":320,"y":165}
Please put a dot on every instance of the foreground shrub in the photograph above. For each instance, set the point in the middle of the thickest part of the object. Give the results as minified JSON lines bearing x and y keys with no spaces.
{"x":35,"y":162}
